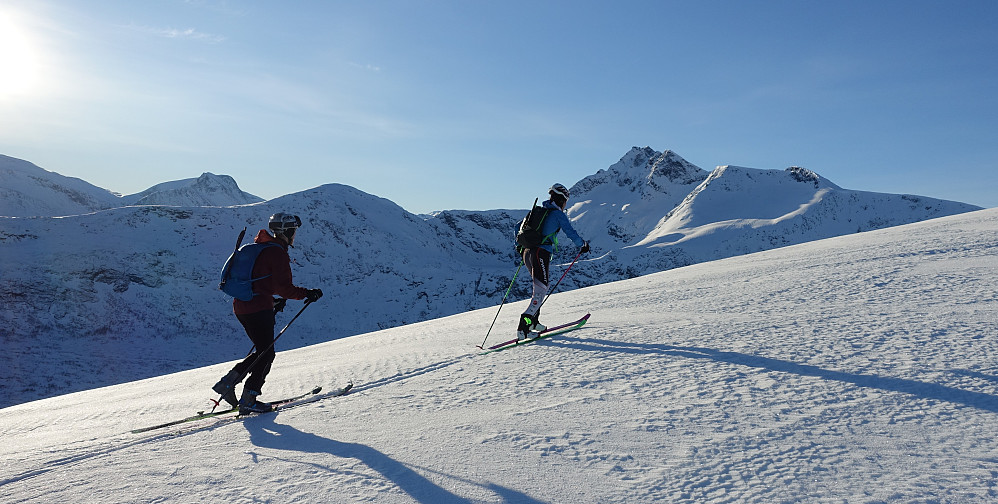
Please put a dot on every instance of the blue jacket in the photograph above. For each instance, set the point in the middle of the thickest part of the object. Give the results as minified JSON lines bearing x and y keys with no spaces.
{"x":557,"y":220}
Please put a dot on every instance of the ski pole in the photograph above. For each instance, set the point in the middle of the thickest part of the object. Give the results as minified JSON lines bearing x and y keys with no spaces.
{"x":482,"y":346}
{"x":272,"y":343}
{"x":559,"y":280}
{"x":276,"y":311}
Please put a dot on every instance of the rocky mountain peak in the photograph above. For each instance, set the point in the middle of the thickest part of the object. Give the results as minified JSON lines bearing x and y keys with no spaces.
{"x":645,"y":171}
{"x":801,"y":174}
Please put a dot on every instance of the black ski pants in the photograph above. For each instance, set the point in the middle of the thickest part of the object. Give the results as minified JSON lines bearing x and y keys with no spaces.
{"x":260,"y":329}
{"x":538,"y":263}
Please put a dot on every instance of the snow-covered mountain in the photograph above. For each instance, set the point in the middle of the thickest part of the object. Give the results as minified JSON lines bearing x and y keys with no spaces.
{"x":654,"y":211}
{"x":27,"y":190}
{"x":113,"y":294}
{"x":207,"y":190}
{"x":618,"y":206}
{"x":858,"y":369}
{"x":110,"y":292}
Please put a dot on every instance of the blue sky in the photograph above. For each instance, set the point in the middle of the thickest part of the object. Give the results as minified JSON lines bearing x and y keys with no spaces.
{"x":480,"y":104}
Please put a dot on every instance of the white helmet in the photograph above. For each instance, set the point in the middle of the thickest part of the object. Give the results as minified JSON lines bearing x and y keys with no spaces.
{"x":559,"y":190}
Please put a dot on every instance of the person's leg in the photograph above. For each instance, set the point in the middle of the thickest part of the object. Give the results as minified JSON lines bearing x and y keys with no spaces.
{"x":260,"y":329}
{"x":537,"y":261}
{"x":256,"y":327}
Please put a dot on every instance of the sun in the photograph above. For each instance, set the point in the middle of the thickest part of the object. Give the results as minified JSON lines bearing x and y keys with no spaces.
{"x":18,"y":64}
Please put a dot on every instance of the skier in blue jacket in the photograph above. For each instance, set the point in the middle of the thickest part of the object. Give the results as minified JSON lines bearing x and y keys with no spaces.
{"x":538,"y":259}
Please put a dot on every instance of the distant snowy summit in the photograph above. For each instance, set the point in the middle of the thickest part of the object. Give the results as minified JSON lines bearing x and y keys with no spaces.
{"x":642,"y":171}
{"x":27,"y":190}
{"x":624,"y":202}
{"x":653,"y":211}
{"x":207,"y":190}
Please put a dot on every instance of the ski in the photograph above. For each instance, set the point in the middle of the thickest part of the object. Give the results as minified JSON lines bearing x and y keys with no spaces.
{"x":283,"y":405}
{"x":550,"y":331}
{"x":201,"y":415}
{"x":278,"y":406}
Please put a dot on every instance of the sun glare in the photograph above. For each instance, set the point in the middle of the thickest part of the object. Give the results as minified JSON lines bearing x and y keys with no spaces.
{"x":18,"y":65}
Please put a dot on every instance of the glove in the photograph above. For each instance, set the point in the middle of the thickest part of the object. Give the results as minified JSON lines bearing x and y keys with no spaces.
{"x":585,"y":248}
{"x":313,"y":295}
{"x":279,"y":304}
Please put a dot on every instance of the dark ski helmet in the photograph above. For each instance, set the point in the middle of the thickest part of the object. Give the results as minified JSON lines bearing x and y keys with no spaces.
{"x":284,"y":224}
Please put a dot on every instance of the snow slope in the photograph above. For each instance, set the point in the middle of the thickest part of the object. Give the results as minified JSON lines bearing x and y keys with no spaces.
{"x":853,"y":369}
{"x":28,"y":190}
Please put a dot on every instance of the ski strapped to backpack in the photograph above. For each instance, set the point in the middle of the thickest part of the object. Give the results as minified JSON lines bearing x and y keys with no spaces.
{"x":237,"y":272}
{"x":529,"y":235}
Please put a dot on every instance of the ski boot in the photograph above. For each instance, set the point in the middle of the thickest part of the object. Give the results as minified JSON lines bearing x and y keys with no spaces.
{"x":248,"y":403}
{"x":528,"y":326}
{"x":226,"y":387}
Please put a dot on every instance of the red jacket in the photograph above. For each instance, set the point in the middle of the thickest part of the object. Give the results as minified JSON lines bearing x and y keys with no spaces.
{"x":275,"y":262}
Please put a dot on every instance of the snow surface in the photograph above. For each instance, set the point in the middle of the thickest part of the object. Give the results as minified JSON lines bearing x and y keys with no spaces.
{"x":27,"y":190}
{"x":853,"y":369}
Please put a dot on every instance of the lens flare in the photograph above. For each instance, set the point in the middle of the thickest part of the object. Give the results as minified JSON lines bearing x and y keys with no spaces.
{"x":18,"y":64}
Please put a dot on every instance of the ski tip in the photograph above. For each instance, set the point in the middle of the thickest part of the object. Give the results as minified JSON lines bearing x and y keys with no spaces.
{"x":317,"y":389}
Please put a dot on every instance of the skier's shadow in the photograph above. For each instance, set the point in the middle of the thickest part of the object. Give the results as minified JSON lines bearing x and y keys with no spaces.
{"x":266,"y":433}
{"x":934,"y":391}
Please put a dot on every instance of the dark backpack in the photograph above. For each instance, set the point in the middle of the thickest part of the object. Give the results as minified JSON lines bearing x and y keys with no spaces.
{"x":529,"y":235}
{"x":237,"y":273}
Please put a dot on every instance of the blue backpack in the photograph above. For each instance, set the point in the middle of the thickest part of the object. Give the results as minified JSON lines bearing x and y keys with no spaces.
{"x":237,"y":273}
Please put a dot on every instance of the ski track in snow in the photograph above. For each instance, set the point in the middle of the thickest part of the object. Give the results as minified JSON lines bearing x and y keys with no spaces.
{"x":855,"y":369}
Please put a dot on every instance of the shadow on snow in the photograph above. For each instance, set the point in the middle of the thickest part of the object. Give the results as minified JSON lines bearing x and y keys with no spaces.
{"x":265,"y":433}
{"x":924,"y":390}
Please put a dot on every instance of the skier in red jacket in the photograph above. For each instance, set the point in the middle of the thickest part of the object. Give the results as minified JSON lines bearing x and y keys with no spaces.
{"x":257,"y":315}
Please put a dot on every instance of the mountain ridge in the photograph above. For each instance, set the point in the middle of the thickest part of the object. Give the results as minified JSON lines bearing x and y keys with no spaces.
{"x":27,"y":190}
